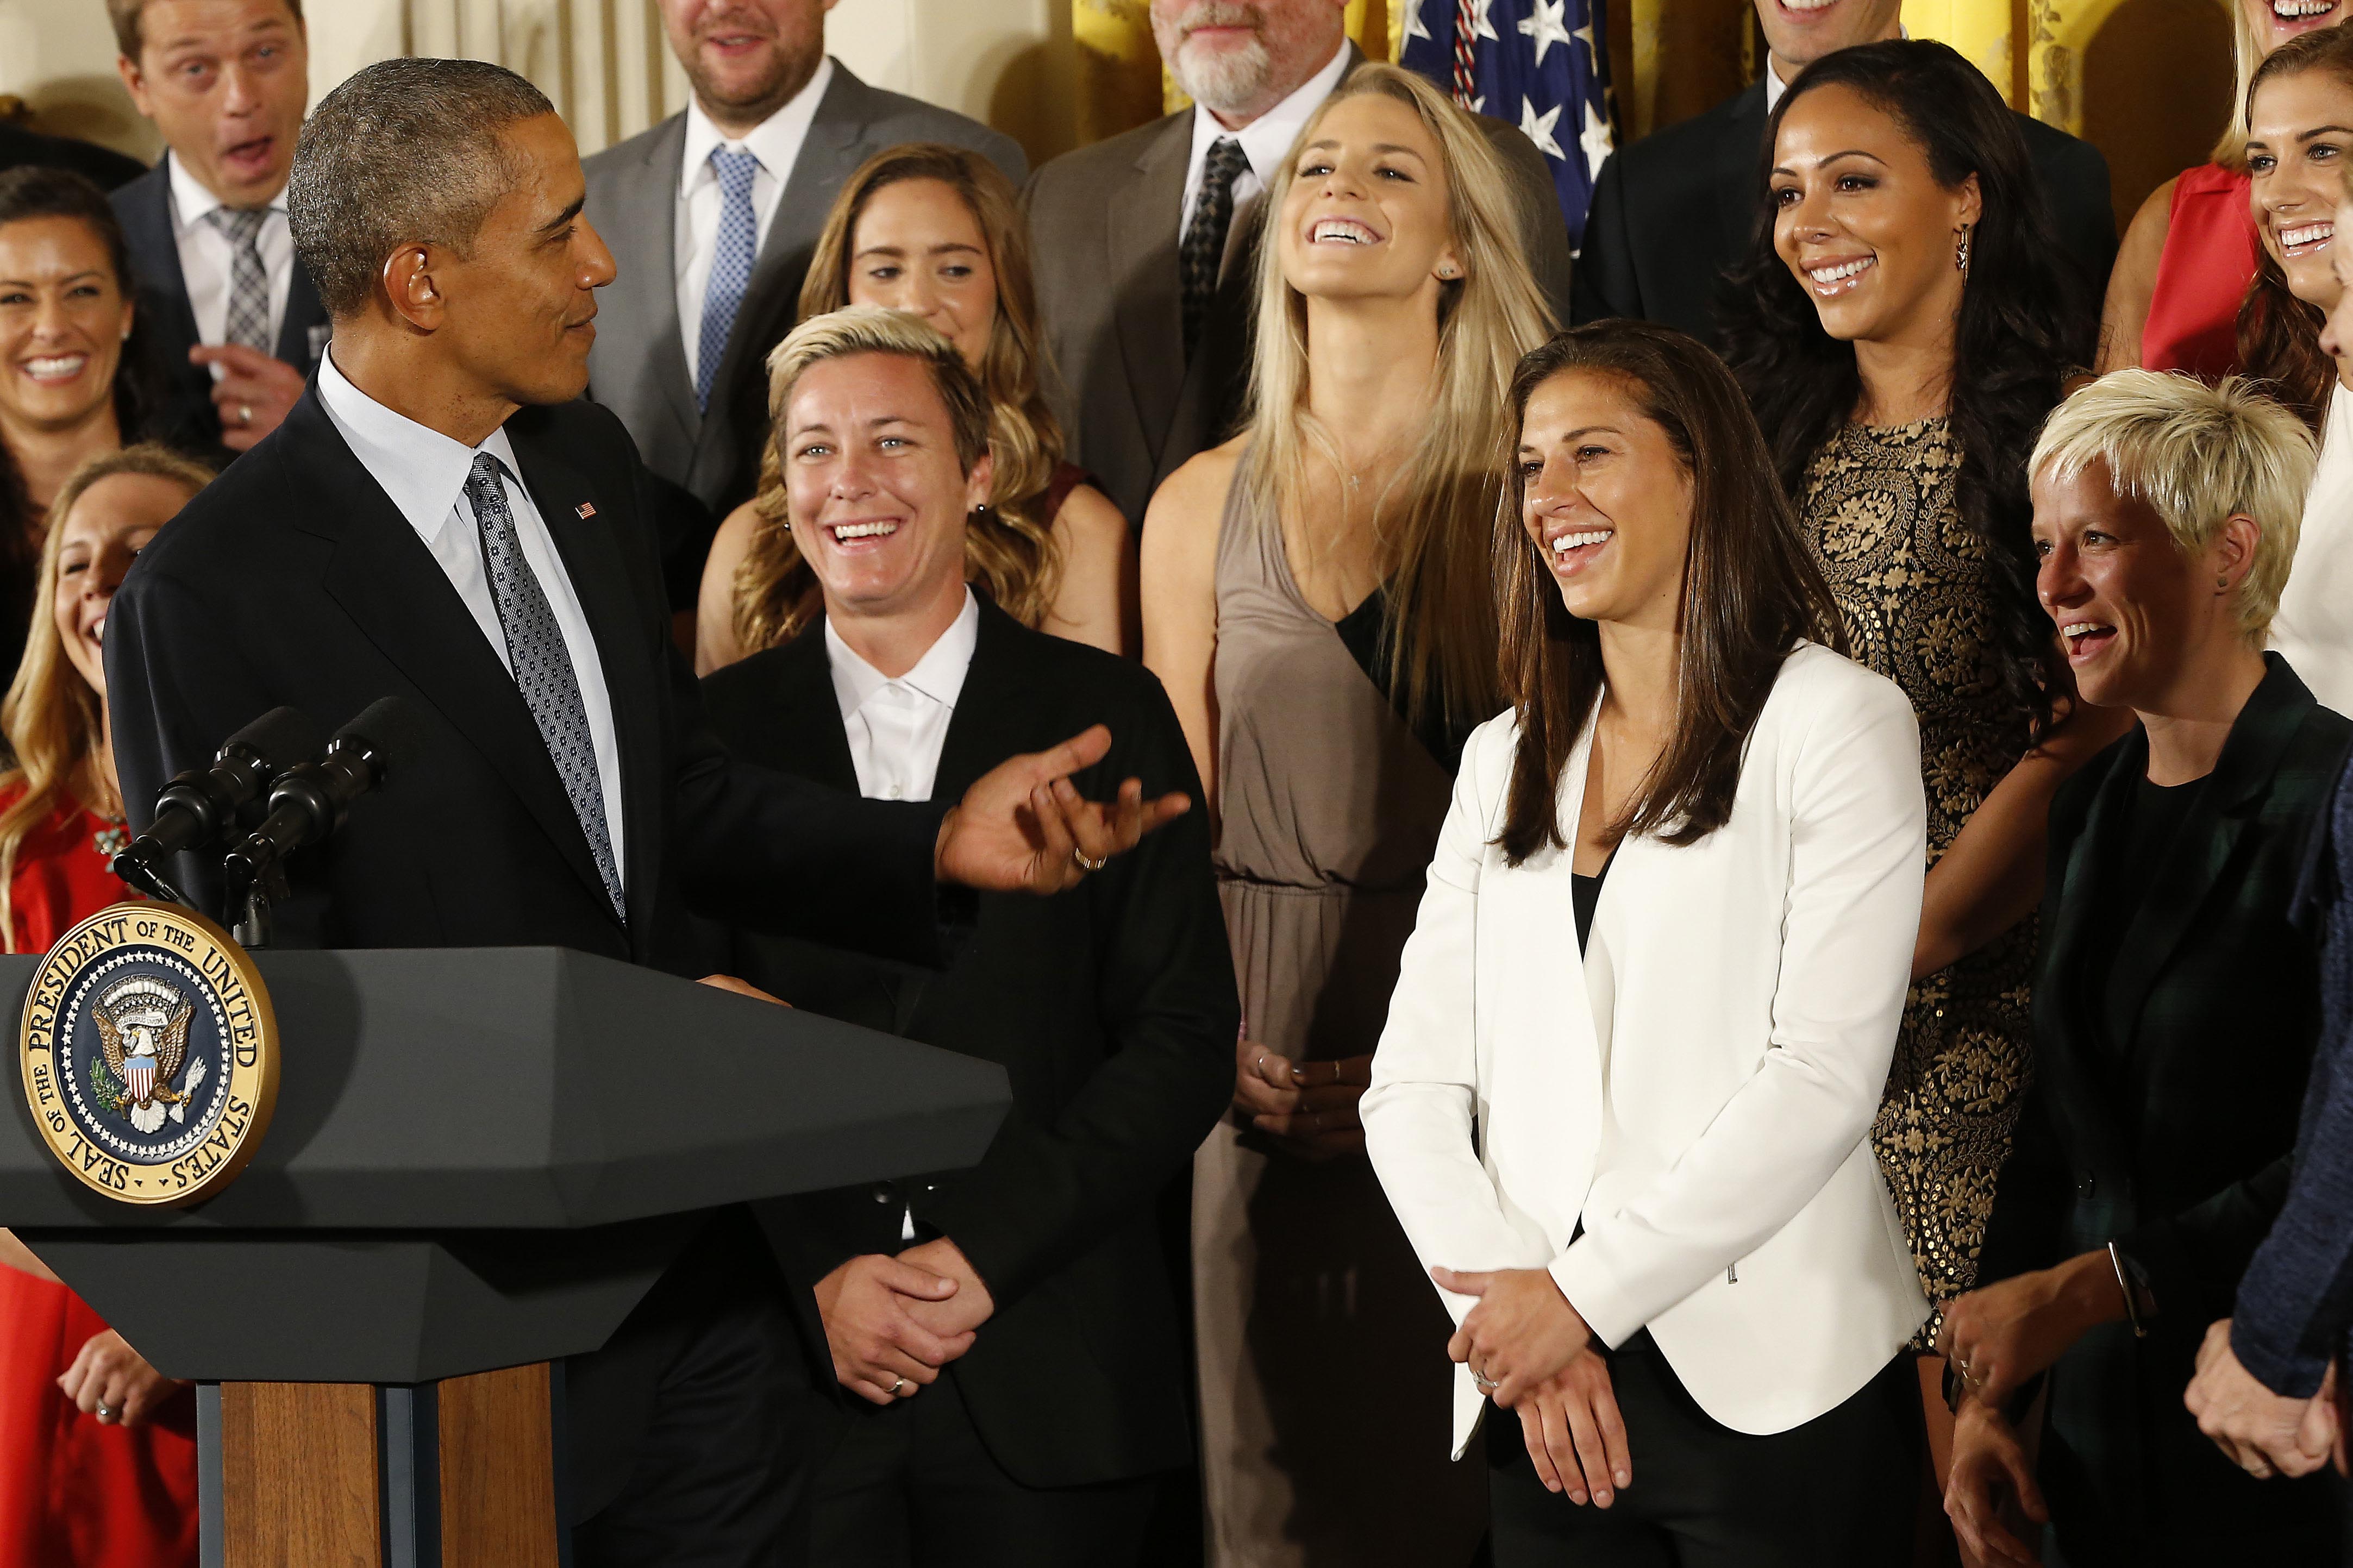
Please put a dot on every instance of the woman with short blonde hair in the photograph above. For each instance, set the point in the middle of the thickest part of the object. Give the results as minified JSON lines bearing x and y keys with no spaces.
{"x":2176,"y":1001}
{"x":1318,"y":606}
{"x":935,"y":231}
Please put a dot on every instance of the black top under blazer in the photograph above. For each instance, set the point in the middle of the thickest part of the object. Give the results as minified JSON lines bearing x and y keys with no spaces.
{"x":1671,"y":211}
{"x":1113,"y":1010}
{"x":2165,"y":1124}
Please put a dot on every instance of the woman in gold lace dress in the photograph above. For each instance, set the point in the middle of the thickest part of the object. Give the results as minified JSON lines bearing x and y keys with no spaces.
{"x":1906,"y":326}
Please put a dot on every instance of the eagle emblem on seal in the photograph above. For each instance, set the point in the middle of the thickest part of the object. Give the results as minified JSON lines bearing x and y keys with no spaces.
{"x":142,"y":1028}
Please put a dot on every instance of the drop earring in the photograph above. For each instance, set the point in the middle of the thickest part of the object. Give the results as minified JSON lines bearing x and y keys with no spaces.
{"x":1961,"y":250}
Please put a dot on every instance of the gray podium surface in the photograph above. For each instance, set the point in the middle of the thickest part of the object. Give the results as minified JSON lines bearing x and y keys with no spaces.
{"x":481,"y":1157}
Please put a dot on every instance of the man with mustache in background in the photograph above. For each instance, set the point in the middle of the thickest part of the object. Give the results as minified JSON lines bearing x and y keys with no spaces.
{"x":1144,"y":241}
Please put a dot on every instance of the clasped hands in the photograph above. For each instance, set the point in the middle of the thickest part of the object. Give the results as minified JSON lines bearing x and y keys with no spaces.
{"x":1999,"y":1339}
{"x":1311,"y":1108}
{"x":2264,"y":1433}
{"x":891,"y":1323}
{"x":1533,"y":1354}
{"x":1024,"y":827}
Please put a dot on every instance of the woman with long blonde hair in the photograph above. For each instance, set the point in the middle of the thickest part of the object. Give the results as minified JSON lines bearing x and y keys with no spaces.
{"x":936,"y":231}
{"x":1318,"y":604}
{"x":82,"y":1415}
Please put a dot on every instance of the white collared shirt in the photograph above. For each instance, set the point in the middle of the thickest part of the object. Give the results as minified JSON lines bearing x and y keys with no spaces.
{"x":424,"y":474}
{"x":777,"y":142}
{"x":1264,"y":142}
{"x":896,"y":727}
{"x":206,"y":257}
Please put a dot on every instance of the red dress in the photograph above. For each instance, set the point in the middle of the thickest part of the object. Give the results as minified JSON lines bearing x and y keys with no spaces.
{"x":2208,"y":262}
{"x":73,"y":1493}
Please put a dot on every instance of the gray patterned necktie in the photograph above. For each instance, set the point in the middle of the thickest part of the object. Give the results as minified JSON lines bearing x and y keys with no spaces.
{"x":731,"y":260}
{"x":249,"y":281}
{"x":542,"y":667}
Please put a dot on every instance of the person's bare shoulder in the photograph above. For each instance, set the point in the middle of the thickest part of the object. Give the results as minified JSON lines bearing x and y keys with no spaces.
{"x":1197,"y":491}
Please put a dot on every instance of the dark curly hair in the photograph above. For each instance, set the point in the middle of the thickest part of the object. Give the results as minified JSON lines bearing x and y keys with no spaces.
{"x":2026,"y":323}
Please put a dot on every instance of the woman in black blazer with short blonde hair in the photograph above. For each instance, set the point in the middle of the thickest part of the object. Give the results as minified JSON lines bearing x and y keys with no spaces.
{"x":2176,"y":1008}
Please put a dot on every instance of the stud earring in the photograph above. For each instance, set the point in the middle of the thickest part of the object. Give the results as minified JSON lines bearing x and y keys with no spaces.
{"x":1961,"y":250}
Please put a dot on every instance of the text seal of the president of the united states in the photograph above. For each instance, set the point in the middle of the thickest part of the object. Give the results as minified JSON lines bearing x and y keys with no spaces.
{"x":150,"y":1054}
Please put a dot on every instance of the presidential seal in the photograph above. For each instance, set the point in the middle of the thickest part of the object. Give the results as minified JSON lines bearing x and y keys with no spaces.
{"x":150,"y":1054}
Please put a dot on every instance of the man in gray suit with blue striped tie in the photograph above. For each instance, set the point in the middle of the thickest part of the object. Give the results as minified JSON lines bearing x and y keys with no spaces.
{"x":711,"y":216}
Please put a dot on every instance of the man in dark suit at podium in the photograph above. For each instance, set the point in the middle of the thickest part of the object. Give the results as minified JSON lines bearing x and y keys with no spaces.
{"x":1032,"y":1416}
{"x":440,"y":519}
{"x":1673,"y":210}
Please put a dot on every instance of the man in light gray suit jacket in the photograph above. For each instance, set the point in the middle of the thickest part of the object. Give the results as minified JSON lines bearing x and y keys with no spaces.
{"x":1148,"y":378}
{"x":711,"y":216}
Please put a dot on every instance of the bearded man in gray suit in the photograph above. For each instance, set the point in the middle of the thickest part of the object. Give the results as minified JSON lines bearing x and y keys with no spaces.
{"x":711,"y":216}
{"x":1154,"y":353}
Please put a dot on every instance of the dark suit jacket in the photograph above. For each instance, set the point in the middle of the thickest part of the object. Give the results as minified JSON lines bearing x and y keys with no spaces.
{"x":1113,"y":1008}
{"x":1102,"y":226}
{"x":1673,"y":210}
{"x":292,"y":579}
{"x":2172,"y":1138}
{"x":638,"y":366}
{"x":187,"y":418}
{"x":102,"y":166}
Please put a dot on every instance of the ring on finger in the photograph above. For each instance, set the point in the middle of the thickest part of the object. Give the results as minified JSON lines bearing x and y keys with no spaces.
{"x":245,"y":414}
{"x":105,"y":1412}
{"x":898,"y":1381}
{"x":1086,"y":864}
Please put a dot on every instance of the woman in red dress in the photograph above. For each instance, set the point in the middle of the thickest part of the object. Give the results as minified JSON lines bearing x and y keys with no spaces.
{"x":2187,"y":259}
{"x":97,"y":1454}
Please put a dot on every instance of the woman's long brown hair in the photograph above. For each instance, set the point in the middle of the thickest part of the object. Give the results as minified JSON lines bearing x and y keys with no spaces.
{"x":1751,"y":593}
{"x":2279,"y":334}
{"x":1009,"y":548}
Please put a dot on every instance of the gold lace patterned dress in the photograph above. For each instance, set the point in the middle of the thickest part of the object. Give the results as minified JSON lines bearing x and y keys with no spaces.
{"x":1912,"y":581}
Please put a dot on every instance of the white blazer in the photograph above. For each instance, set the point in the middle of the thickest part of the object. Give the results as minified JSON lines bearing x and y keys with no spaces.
{"x":1699,"y":1091}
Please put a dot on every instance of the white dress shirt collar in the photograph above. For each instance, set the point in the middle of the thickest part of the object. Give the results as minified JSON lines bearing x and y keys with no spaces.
{"x":1266,"y":139}
{"x":776,"y":140}
{"x":938,"y":675}
{"x":192,"y":199}
{"x":423,"y":471}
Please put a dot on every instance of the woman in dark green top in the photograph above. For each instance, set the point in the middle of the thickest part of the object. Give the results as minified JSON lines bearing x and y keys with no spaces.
{"x":2175,"y":1007}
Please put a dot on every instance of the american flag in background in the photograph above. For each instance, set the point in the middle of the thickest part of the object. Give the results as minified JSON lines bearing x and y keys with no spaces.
{"x":1541,"y":64}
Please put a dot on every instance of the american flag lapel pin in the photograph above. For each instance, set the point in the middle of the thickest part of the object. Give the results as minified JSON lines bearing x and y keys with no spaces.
{"x":584,"y":510}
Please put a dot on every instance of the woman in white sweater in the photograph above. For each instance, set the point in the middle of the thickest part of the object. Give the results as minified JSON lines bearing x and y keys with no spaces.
{"x":1641,"y":1178}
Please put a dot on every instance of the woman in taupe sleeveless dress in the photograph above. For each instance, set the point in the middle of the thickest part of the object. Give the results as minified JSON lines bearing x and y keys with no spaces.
{"x":1316,"y":601}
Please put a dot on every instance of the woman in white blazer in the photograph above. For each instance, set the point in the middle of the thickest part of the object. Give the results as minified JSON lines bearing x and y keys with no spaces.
{"x":1643,"y":1181}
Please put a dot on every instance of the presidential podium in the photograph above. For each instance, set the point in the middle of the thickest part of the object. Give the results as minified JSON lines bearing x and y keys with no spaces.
{"x":480,"y":1160}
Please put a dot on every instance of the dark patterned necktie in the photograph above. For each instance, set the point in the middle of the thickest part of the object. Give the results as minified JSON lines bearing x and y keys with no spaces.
{"x":249,"y":281}
{"x":542,"y":667}
{"x":1204,"y":251}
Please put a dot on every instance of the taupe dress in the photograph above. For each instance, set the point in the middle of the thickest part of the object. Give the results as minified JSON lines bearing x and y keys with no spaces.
{"x":1913,"y":581}
{"x":1326,"y":1390}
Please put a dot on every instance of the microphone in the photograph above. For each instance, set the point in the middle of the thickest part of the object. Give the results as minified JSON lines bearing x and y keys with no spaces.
{"x":309,"y":802}
{"x":200,"y":805}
